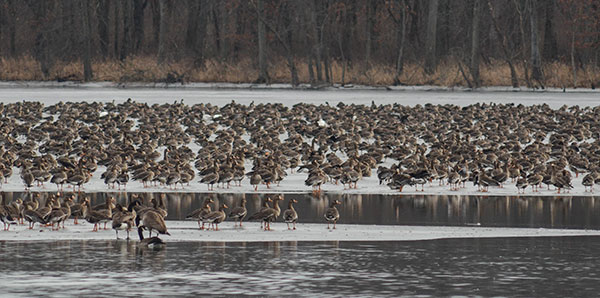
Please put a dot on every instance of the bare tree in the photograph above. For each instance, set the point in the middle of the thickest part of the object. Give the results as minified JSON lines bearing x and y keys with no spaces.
{"x":285,"y":37}
{"x":536,"y":60}
{"x":430,"y":42}
{"x":103,"y":21}
{"x":263,"y":75}
{"x":126,"y":42}
{"x":475,"y":44}
{"x":162,"y":36}
{"x":402,"y":24}
{"x":87,"y":39}
{"x":507,"y":55}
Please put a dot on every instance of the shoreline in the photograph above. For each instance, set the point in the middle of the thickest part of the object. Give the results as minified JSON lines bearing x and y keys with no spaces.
{"x":187,"y":231}
{"x":279,"y":87}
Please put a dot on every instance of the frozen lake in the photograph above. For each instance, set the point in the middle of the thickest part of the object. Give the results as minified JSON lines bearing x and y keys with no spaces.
{"x":508,"y":267}
{"x":555,"y":99}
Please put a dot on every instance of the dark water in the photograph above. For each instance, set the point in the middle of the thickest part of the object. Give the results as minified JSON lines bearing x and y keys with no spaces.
{"x":501,"y":211}
{"x":512,"y":267}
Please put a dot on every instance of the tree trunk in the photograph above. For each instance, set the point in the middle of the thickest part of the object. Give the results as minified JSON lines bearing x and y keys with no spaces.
{"x":87,"y":40}
{"x":316,"y":41}
{"x":536,"y":61}
{"x":550,"y":46}
{"x":369,"y":31}
{"x":523,"y":44}
{"x":42,"y":41}
{"x":430,"y":42}
{"x":127,"y":30}
{"x":138,"y":24}
{"x":155,"y":6}
{"x":402,"y":41}
{"x":117,"y":17}
{"x":162,"y":36}
{"x":263,"y":75}
{"x":475,"y":44}
{"x":12,"y":23}
{"x":192,"y":23}
{"x":103,"y":19}
{"x":573,"y":65}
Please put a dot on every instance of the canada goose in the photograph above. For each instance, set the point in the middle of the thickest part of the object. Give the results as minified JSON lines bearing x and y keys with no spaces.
{"x":332,"y":214}
{"x":150,"y":241}
{"x":290,"y":215}
{"x":152,"y":220}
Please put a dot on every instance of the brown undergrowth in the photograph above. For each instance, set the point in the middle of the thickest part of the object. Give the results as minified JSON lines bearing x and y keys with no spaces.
{"x":145,"y":69}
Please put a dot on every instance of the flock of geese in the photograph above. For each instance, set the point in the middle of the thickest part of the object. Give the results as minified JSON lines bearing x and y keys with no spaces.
{"x":172,"y":145}
{"x":137,"y":215}
{"x":488,"y":144}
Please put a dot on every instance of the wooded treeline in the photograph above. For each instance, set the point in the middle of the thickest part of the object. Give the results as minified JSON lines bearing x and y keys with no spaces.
{"x":529,"y":43}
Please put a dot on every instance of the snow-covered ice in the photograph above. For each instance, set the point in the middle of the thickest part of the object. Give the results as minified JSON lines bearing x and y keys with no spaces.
{"x":251,"y":232}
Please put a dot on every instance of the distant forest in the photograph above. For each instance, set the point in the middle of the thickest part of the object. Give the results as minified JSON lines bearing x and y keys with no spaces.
{"x":473,"y":43}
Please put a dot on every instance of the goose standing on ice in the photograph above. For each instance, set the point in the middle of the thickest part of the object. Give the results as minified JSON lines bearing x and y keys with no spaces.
{"x":238,"y":213}
{"x":290,"y":215}
{"x":332,"y":214}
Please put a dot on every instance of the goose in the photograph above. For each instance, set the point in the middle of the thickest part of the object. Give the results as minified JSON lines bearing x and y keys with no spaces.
{"x":263,"y":212}
{"x":332,"y":214}
{"x":78,"y":210}
{"x":122,"y":179}
{"x":55,"y":217}
{"x":522,"y":184}
{"x":59,"y":178}
{"x":238,"y":213}
{"x":210,"y":180}
{"x":255,"y":180}
{"x":96,"y":217}
{"x":535,"y":180}
{"x":588,"y":181}
{"x":199,"y":213}
{"x":28,"y":179}
{"x":152,"y":220}
{"x":216,"y":217}
{"x":123,"y":219}
{"x":485,"y":181}
{"x":277,"y":211}
{"x":33,"y":217}
{"x":151,"y":241}
{"x":290,"y":215}
{"x":561,"y":181}
{"x":5,"y":216}
{"x":316,"y":179}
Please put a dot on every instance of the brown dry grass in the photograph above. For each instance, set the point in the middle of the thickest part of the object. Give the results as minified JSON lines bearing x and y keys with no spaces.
{"x":145,"y":69}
